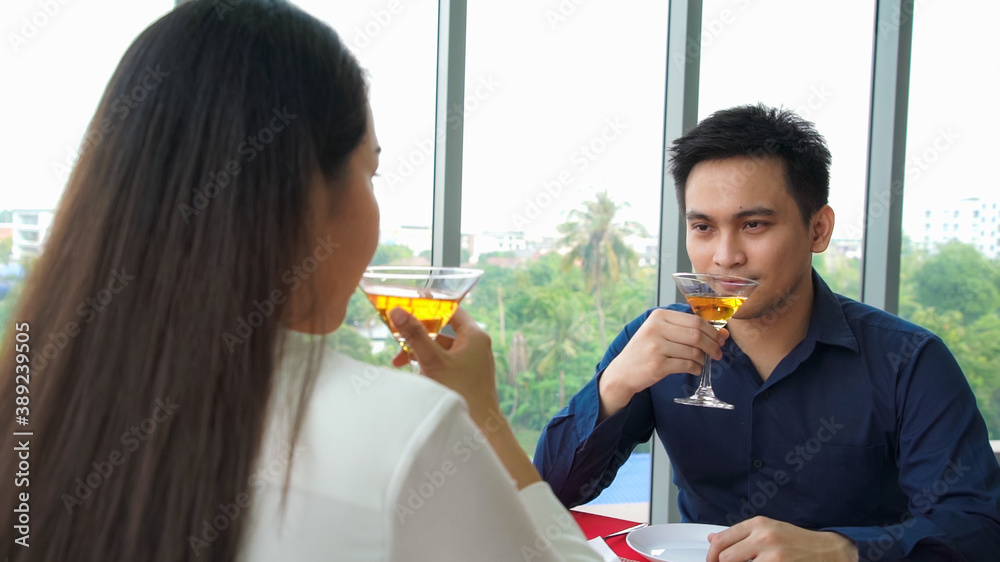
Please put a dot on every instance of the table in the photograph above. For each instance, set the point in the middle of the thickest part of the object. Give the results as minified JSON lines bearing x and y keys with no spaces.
{"x":596,"y":525}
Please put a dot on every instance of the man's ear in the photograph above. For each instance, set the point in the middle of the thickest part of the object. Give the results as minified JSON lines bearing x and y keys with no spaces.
{"x":821,"y":229}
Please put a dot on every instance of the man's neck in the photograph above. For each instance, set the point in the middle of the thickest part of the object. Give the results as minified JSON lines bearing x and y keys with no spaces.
{"x":771,"y":336}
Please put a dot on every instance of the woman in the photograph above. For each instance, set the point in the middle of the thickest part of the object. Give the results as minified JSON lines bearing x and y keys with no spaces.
{"x":220,"y":213}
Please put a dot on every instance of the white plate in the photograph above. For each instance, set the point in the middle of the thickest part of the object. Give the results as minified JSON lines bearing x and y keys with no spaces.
{"x":673,"y":542}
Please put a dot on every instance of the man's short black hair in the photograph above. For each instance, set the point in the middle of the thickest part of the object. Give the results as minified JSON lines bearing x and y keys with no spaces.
{"x":759,"y":131}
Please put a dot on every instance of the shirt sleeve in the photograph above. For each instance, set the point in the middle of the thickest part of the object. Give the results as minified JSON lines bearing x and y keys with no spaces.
{"x":946,"y":467}
{"x":455,"y":501}
{"x":579,"y":457}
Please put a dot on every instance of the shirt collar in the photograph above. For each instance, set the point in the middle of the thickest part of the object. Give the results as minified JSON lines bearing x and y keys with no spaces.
{"x":828,"y":324}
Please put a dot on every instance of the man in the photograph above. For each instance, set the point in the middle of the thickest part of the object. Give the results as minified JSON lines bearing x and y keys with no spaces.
{"x":854,"y":435}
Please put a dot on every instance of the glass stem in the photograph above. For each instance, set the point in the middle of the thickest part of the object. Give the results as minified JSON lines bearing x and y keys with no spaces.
{"x":705,"y":386}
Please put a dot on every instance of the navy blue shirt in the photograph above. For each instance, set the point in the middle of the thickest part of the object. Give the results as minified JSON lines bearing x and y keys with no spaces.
{"x":867,"y":428}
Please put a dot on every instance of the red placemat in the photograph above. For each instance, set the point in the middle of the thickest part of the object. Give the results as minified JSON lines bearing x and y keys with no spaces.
{"x":594,"y":525}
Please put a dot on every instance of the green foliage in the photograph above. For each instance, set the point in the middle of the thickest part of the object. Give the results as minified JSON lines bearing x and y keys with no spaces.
{"x":955,"y":293}
{"x":841,"y":273}
{"x":546,"y":331}
{"x":390,"y":254}
{"x":960,"y":278}
{"x":349,"y":342}
{"x":596,"y":243}
{"x":464,"y":255}
{"x":9,"y":303}
{"x":6,"y":245}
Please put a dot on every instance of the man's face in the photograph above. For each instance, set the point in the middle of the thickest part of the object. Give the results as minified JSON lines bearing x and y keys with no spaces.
{"x":741,"y":220}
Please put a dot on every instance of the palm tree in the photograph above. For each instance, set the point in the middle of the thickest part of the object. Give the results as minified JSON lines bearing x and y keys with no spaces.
{"x":597,"y":243}
{"x":560,"y":333}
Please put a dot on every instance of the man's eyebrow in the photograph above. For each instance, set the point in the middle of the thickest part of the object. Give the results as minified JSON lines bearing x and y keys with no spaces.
{"x":758,"y":211}
{"x":755,"y":212}
{"x":378,"y":149}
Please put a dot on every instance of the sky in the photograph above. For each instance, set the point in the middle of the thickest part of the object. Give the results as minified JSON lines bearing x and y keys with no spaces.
{"x":564,"y":98}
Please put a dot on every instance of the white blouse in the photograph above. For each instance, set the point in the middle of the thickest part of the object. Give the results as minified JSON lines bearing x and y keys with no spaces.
{"x":389,"y":467}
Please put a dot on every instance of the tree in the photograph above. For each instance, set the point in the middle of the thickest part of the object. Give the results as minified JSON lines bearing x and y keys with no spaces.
{"x":349,"y":342}
{"x":954,"y":293}
{"x":960,"y":278}
{"x":6,"y":245}
{"x":389,"y":254}
{"x":597,"y":243}
{"x":563,"y":333}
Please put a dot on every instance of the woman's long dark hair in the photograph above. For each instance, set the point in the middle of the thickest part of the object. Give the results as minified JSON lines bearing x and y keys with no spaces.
{"x":153,"y":313}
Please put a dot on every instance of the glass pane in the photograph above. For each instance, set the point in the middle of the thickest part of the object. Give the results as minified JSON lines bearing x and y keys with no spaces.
{"x":950,"y":272}
{"x":52,"y":90}
{"x":554,"y":120}
{"x":396,"y":42}
{"x":814,"y":58}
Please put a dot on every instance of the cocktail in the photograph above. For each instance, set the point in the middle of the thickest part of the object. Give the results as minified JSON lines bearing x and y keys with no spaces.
{"x":431,"y":294}
{"x":715,"y":298}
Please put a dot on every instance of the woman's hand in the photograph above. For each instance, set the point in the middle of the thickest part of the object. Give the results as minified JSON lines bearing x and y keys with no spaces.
{"x":465,"y":366}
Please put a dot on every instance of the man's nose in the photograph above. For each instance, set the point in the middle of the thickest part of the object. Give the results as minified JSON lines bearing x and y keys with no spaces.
{"x":729,"y":253}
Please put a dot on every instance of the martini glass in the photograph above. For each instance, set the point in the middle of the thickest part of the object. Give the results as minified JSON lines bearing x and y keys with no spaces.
{"x":431,"y":294}
{"x":715,"y":298}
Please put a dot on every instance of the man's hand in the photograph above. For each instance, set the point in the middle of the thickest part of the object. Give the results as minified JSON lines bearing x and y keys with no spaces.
{"x":667,"y":342}
{"x":765,"y":540}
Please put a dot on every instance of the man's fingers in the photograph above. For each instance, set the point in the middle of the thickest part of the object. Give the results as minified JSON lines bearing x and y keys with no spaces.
{"x":415,"y":335}
{"x":730,"y":538}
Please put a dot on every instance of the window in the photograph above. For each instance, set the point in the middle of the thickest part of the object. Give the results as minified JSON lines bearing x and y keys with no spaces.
{"x":59,"y":86}
{"x":947,"y":154}
{"x":600,"y":136}
{"x":829,"y":86}
{"x":396,"y":43}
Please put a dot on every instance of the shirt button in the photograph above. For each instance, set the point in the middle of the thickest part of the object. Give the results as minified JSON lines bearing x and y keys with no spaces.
{"x":758,"y":463}
{"x":764,"y":395}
